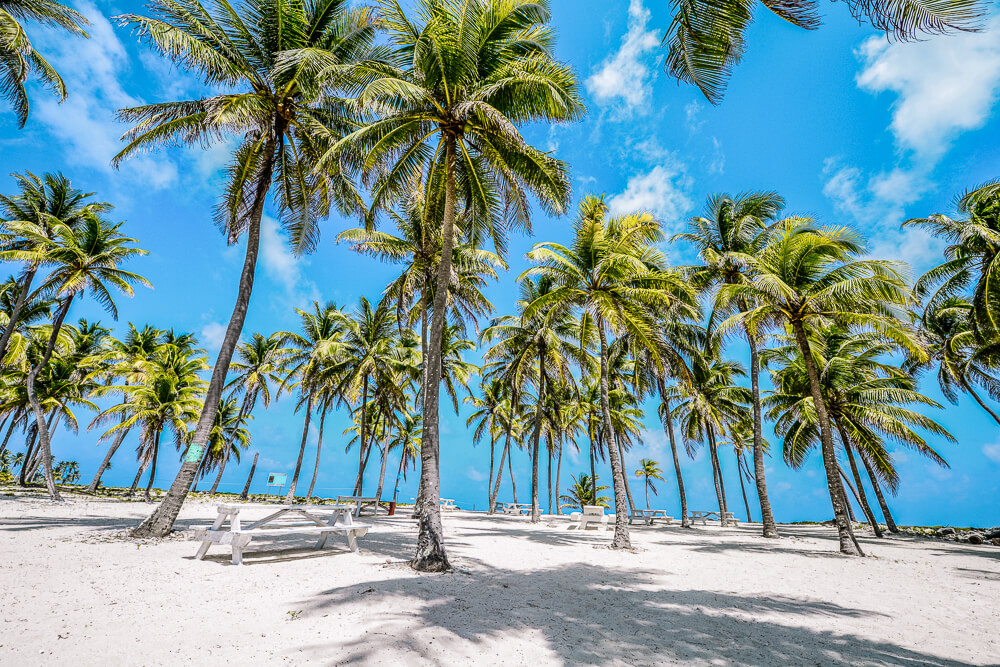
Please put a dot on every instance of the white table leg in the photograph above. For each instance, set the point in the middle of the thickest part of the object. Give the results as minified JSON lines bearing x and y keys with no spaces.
{"x":203,"y":549}
{"x":237,"y":555}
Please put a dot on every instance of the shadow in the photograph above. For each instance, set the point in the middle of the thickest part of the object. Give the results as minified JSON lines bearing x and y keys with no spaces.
{"x":978,"y":574}
{"x":42,"y":523}
{"x":587,"y":614}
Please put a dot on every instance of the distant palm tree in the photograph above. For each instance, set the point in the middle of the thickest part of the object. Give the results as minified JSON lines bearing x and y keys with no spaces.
{"x":283,"y":118}
{"x":705,"y":39}
{"x":27,"y":226}
{"x":581,"y":493}
{"x":648,"y":471}
{"x":18,"y":58}
{"x":228,"y":438}
{"x":454,"y":105}
{"x":805,"y":275}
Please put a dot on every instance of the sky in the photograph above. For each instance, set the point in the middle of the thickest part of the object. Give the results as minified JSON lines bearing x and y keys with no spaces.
{"x":850,"y":128}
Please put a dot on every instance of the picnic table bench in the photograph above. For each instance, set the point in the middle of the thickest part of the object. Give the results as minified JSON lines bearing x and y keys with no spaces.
{"x":448,"y":504}
{"x":513,"y":508}
{"x":718,"y":516}
{"x":358,"y":503}
{"x":591,"y":515}
{"x":649,"y":516}
{"x":237,"y":537}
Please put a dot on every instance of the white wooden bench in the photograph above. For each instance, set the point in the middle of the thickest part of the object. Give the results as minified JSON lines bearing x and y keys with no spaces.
{"x":649,"y":516}
{"x":592,"y":515}
{"x":448,"y":504}
{"x":358,"y":503}
{"x":718,"y":516}
{"x":516,"y":508}
{"x":237,"y":537}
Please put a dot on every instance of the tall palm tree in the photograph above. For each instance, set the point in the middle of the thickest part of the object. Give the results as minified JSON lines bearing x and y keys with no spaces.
{"x":460,"y":78}
{"x":488,"y":420}
{"x":407,"y":441}
{"x":19,"y":59}
{"x":648,"y":471}
{"x":972,"y":258}
{"x":730,"y":229}
{"x":705,"y":40}
{"x":615,"y":275}
{"x":228,"y":438}
{"x":86,"y":258}
{"x":27,"y":222}
{"x":805,"y":275}
{"x":284,"y":119}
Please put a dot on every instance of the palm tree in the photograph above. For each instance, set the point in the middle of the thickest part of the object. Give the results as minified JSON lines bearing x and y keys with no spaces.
{"x":866,"y":399}
{"x":730,"y":229}
{"x":454,"y":104}
{"x":228,"y":437}
{"x":805,"y":275}
{"x":582,"y":493}
{"x":971,"y":260}
{"x":407,"y":440}
{"x":86,"y":258}
{"x":27,"y":222}
{"x":488,"y":419}
{"x":705,"y":40}
{"x":19,"y":59}
{"x":284,"y":118}
{"x":615,"y":275}
{"x":648,"y":471}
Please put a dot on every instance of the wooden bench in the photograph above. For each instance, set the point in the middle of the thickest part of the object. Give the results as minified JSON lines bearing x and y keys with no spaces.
{"x":591,"y":515}
{"x":649,"y":516}
{"x":448,"y":504}
{"x":237,"y":537}
{"x":359,"y":503}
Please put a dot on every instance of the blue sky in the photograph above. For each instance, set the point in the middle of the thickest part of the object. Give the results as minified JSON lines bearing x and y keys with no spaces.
{"x":850,"y":128}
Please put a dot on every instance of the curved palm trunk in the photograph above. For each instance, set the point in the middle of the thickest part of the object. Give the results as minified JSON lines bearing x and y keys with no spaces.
{"x":972,"y":392}
{"x":29,"y":456}
{"x":22,"y":295}
{"x":510,"y":470}
{"x":669,"y":423}
{"x":430,"y":554}
{"x":845,"y":533}
{"x":720,"y":490}
{"x":319,"y":449}
{"x":769,"y":528}
{"x":548,"y":450}
{"x":862,"y":498}
{"x":363,"y":438}
{"x":886,"y":514}
{"x":385,"y":460}
{"x":218,"y":476}
{"x":253,"y":468}
{"x":489,"y":478}
{"x":44,"y":439}
{"x":290,"y":496}
{"x":138,"y":475}
{"x":593,"y":471}
{"x":558,"y":472}
{"x":739,"y":468}
{"x":847,"y":500}
{"x":496,"y":487}
{"x":152,"y":470}
{"x":628,"y":487}
{"x":161,"y":521}
{"x":536,"y":435}
{"x":621,"y":539}
{"x":10,"y":430}
{"x":107,"y":460}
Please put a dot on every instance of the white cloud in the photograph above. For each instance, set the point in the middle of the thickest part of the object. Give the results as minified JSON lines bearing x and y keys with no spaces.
{"x":212,"y":335}
{"x":662,"y":191}
{"x":475,"y":475}
{"x":691,"y":111}
{"x":625,"y":76}
{"x":717,"y":165}
{"x":93,"y":70}
{"x":944,"y":85}
{"x":282,"y":266}
{"x":992,"y":452}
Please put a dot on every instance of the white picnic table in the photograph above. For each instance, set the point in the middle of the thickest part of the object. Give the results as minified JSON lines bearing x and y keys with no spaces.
{"x":322,"y":521}
{"x":514,"y":508}
{"x":591,"y":515}
{"x":358,"y":503}
{"x":649,"y":516}
{"x":716,"y":515}
{"x":448,"y":504}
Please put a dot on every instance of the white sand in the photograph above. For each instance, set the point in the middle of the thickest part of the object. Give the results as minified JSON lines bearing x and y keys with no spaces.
{"x":522,"y":594}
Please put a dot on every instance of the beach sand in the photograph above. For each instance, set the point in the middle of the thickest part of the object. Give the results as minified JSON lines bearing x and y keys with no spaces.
{"x":74,"y":593}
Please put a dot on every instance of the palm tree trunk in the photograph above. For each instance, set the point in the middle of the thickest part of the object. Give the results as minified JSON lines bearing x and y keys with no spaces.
{"x":972,"y":392}
{"x":138,"y":475}
{"x":319,"y":448}
{"x":218,"y":476}
{"x":593,"y":470}
{"x":743,"y":490}
{"x":253,"y":468}
{"x":107,"y":460}
{"x":685,"y":522}
{"x":362,"y":437}
{"x":558,"y":472}
{"x":44,"y":439}
{"x":536,"y":434}
{"x":862,"y":498}
{"x":889,"y":522}
{"x":720,"y":491}
{"x":29,"y":456}
{"x":510,"y":470}
{"x":399,"y":473}
{"x":489,"y":478}
{"x":847,"y":500}
{"x":621,"y":539}
{"x":845,"y":532}
{"x":628,"y":487}
{"x":161,"y":521}
{"x":22,"y":295}
{"x":496,"y":487}
{"x":385,"y":459}
{"x":10,"y":429}
{"x":431,"y":554}
{"x":647,"y":493}
{"x":290,"y":496}
{"x":548,"y":450}
{"x":769,"y":528}
{"x":152,"y":471}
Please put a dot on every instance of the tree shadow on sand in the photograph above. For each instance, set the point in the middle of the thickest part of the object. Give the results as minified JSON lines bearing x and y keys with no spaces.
{"x":590,"y":615}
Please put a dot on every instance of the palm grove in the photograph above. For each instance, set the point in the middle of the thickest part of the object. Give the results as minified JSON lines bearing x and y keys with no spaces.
{"x":412,"y":117}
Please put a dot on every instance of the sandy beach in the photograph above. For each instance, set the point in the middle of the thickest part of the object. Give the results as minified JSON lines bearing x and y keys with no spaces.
{"x":74,"y":592}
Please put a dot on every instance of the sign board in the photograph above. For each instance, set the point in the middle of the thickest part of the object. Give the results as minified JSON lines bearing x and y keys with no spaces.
{"x":276,"y":478}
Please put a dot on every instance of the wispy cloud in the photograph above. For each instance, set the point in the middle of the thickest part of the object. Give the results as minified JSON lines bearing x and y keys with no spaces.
{"x":283,"y":267}
{"x":663,"y":191}
{"x":992,"y":452}
{"x":625,"y":78}
{"x":212,"y":335}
